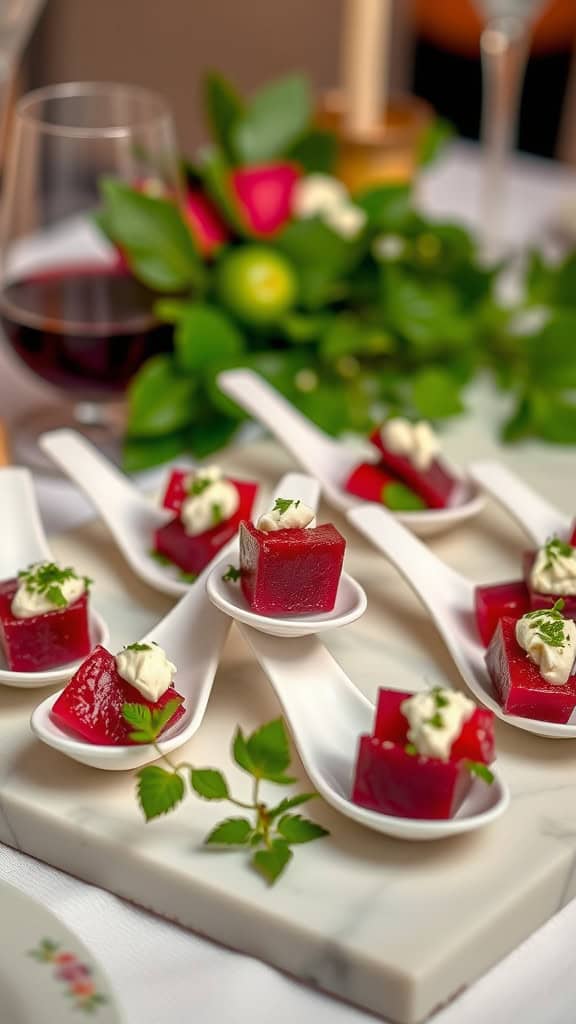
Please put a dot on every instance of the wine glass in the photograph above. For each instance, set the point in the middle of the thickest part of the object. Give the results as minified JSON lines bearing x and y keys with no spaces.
{"x":505,"y":46}
{"x":69,"y":308}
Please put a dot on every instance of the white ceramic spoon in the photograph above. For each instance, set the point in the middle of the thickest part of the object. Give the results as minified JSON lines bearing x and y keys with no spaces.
{"x":326,"y":715}
{"x":130,"y":517}
{"x":193,"y":635}
{"x":329,"y":460}
{"x":22,"y":542}
{"x":227,"y":595}
{"x":537,"y":517}
{"x":449,"y":598}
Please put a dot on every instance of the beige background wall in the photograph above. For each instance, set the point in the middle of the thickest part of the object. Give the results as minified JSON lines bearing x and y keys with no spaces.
{"x":166,"y":44}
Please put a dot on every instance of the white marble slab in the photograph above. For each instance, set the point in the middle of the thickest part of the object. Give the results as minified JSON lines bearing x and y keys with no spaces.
{"x":398,"y":929}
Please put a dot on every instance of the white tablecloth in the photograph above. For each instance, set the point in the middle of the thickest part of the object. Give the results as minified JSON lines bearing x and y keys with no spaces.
{"x":161,"y":973}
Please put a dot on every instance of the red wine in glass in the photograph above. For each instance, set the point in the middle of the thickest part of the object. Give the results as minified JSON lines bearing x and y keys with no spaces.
{"x":84,"y":328}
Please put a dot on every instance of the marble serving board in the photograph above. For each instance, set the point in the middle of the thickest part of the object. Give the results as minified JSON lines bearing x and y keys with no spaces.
{"x":396,"y":928}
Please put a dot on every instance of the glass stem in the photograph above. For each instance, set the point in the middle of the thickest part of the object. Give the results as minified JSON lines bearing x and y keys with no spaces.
{"x":505,"y":44}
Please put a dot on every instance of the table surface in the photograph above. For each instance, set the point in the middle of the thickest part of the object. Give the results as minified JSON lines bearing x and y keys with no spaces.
{"x":191,"y":976}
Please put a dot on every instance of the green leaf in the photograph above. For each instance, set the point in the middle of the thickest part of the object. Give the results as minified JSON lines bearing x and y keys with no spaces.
{"x":204,"y":334}
{"x":426,"y":313}
{"x":159,"y":791}
{"x":210,"y":434}
{"x":241,"y":753}
{"x":288,"y":803}
{"x":347,"y":334}
{"x":481,"y":771}
{"x":161,"y":716}
{"x":271,"y":863}
{"x":321,"y":259}
{"x":387,"y":207}
{"x":231,"y":832}
{"x":269,"y":751}
{"x":209,"y":783}
{"x":160,"y":399}
{"x":154,"y":237}
{"x":296,"y":829}
{"x":551,"y":353}
{"x":435,"y":394}
{"x":276,"y":116}
{"x":142,"y":453}
{"x":216,"y":176}
{"x":140,"y":718}
{"x":224,"y":109}
{"x":399,"y":498}
{"x":316,"y":152}
{"x":438,"y":133}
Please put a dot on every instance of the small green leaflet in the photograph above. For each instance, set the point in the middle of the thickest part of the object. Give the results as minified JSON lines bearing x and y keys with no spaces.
{"x":288,"y":803}
{"x":400,"y":498}
{"x":159,"y":791}
{"x":137,"y":647}
{"x":47,"y":578}
{"x":231,"y":832}
{"x":549,"y":624}
{"x":282,"y":505}
{"x":439,"y":699}
{"x":198,"y":485}
{"x":217,"y":514}
{"x":481,"y":770}
{"x":187,"y":577}
{"x":266,"y":753}
{"x":556,"y":548}
{"x":148,"y":723}
{"x":160,"y":558}
{"x":437,"y":721}
{"x":271,"y":863}
{"x":232,"y":574}
{"x":295,"y":829}
{"x":411,"y":749}
{"x":209,"y":783}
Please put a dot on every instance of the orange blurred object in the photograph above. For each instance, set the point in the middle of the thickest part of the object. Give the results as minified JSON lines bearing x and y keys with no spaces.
{"x":456,"y":25}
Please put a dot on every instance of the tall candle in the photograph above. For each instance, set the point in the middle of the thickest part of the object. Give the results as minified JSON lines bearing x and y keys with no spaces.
{"x":365,"y":47}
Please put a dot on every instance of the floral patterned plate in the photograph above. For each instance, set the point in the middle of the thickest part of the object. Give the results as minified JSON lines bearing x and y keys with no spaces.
{"x":46,"y":974}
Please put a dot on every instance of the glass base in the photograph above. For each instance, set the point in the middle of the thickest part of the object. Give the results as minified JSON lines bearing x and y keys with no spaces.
{"x":103,"y":425}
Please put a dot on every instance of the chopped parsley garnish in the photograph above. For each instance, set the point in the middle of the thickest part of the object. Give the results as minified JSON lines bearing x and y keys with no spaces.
{"x":187,"y":577}
{"x":48,"y":579}
{"x":549,"y":624}
{"x":160,"y":558}
{"x":232,"y":574}
{"x":439,"y":699}
{"x":217,"y":514}
{"x":556,"y":548}
{"x":138,"y":647}
{"x":282,"y":505}
{"x":437,"y":721}
{"x":411,"y":749}
{"x":481,"y":770}
{"x":198,"y":485}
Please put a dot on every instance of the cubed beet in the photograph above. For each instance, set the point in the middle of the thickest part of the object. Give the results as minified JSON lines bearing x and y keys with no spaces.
{"x":518,"y":684}
{"x":572,"y":537}
{"x":475,"y":743}
{"x":391,"y":781}
{"x":546,"y":600}
{"x":373,"y":483}
{"x":91,"y":704}
{"x":45,"y":641}
{"x":193,"y":554}
{"x":495,"y":601}
{"x":436,"y":485}
{"x":291,"y":572}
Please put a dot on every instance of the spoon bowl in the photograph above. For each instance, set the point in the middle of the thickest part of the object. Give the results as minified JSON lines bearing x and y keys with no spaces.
{"x":326,"y":715}
{"x":329,"y":460}
{"x":449,"y":598}
{"x":227,"y":595}
{"x":537,"y":517}
{"x":24,"y":542}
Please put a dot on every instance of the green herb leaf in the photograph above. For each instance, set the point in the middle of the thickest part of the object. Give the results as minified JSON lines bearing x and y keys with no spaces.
{"x":411,"y":749}
{"x":209,"y":783}
{"x":159,"y":791}
{"x":203,"y":335}
{"x":232,"y":574}
{"x":400,"y":498}
{"x":217,"y":514}
{"x":153,"y":236}
{"x":142,"y":453}
{"x":316,"y":152}
{"x":288,"y":803}
{"x":187,"y":577}
{"x":438,"y":133}
{"x":481,"y":770}
{"x":241,"y":753}
{"x":387,"y":207}
{"x":275,"y":117}
{"x":439,"y":699}
{"x":47,"y":578}
{"x":160,"y":399}
{"x":231,"y":832}
{"x":138,"y":647}
{"x":161,"y":716}
{"x":435,"y":394}
{"x":271,"y":863}
{"x":140,"y":717}
{"x":224,"y":109}
{"x":269,"y":752}
{"x":282,"y":505}
{"x":295,"y":829}
{"x":436,"y":721}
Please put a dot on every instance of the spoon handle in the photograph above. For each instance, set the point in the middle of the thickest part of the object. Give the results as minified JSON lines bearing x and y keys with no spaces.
{"x":23,"y":540}
{"x":105,"y":485}
{"x":537,"y":517}
{"x":436,"y":584}
{"x":301,"y":437}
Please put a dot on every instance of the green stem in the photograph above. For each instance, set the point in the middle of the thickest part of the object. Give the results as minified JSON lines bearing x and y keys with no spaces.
{"x":240,"y":803}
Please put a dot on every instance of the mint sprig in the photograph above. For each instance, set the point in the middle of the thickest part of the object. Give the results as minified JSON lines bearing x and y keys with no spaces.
{"x":232,"y":574}
{"x":271,"y":832}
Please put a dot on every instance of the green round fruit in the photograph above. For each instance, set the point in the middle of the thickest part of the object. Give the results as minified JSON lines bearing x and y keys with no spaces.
{"x":257,"y":284}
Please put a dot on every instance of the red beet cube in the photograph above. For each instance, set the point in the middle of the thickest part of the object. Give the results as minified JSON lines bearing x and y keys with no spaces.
{"x":572,"y":537}
{"x":291,"y":572}
{"x":175,"y":492}
{"x":372,"y":483}
{"x":390,"y":781}
{"x":193,"y":554}
{"x":518,"y":684}
{"x":436,"y":485}
{"x":496,"y":601}
{"x":91,"y":704}
{"x":475,"y":742}
{"x":44,"y":641}
{"x":546,"y":600}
